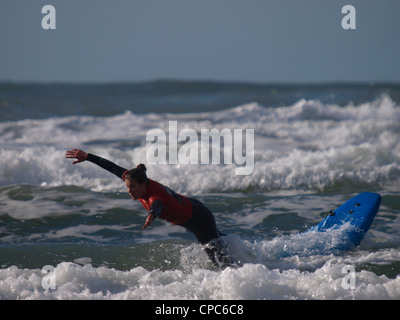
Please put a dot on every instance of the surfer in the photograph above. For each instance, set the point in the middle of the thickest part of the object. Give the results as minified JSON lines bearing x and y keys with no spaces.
{"x":164,"y":203}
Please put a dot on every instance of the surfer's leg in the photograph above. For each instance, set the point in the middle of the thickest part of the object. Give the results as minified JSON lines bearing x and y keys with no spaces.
{"x":202,"y":225}
{"x":217,"y":251}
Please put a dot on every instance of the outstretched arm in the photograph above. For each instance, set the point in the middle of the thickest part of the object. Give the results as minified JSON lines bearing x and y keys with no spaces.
{"x":103,"y":163}
{"x":76,"y":153}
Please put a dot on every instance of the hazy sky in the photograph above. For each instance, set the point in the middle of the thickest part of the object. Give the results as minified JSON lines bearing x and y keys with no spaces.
{"x":235,"y":40}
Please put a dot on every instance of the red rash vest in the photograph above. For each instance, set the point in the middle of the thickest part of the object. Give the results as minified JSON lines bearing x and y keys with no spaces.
{"x":159,"y":200}
{"x":176,"y":209}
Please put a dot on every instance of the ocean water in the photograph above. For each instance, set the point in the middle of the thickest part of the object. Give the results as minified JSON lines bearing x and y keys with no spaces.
{"x":72,"y":231}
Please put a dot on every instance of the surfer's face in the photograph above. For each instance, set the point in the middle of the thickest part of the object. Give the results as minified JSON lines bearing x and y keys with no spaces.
{"x":136,"y":190}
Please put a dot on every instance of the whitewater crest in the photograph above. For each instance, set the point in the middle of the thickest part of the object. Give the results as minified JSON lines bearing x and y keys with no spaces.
{"x":251,"y":281}
{"x":306,"y":146}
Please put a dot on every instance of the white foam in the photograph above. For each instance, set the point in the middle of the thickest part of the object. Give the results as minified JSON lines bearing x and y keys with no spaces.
{"x":287,"y":267}
{"x":309,"y":146}
{"x":252,"y":281}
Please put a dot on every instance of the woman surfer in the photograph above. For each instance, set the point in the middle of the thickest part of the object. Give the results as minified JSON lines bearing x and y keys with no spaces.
{"x":162,"y":202}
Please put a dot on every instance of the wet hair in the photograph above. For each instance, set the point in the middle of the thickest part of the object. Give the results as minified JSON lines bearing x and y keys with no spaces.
{"x":138,"y":174}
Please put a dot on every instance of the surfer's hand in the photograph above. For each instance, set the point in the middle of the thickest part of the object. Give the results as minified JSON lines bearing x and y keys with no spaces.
{"x":77,"y":154}
{"x":149,"y":220}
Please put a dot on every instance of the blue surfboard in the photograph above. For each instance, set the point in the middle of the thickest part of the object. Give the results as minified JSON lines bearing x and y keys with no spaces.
{"x":357,"y":214}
